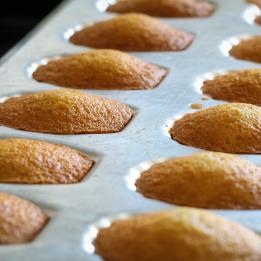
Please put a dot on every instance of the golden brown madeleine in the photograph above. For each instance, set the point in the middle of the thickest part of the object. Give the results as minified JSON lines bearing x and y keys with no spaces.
{"x":165,"y":8}
{"x":65,"y":112}
{"x":258,"y":19}
{"x":236,"y":86}
{"x":100,"y":69}
{"x":133,"y":32}
{"x":256,"y":2}
{"x":248,"y":49}
{"x":20,"y":220}
{"x":37,"y":162}
{"x":207,"y":180}
{"x":182,"y":234}
{"x":234,"y":128}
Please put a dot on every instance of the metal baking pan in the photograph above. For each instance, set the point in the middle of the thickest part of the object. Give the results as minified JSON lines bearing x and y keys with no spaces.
{"x":106,"y":191}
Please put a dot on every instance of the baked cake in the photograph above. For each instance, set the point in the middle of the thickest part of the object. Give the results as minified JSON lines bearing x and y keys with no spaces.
{"x":38,"y":162}
{"x":258,"y":19}
{"x":101,"y":69}
{"x":236,"y":86}
{"x":64,"y":112}
{"x":133,"y":32}
{"x":248,"y":49}
{"x":207,"y":180}
{"x":233,"y":128}
{"x":182,"y":234}
{"x":20,"y":220}
{"x":255,"y":2}
{"x":258,"y":3}
{"x":165,"y":8}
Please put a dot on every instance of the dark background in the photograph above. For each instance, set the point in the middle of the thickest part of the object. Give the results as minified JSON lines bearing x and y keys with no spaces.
{"x":18,"y":17}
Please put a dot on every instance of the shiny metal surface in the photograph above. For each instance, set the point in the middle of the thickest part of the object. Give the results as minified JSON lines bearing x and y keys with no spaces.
{"x":105,"y":191}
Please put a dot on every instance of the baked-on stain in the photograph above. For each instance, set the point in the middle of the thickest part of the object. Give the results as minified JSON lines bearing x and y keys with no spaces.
{"x":210,"y":180}
{"x":25,"y":161}
{"x":133,"y":32}
{"x":248,"y":49}
{"x":65,"y":112}
{"x":235,"y":86}
{"x":196,"y":106}
{"x":165,"y":8}
{"x":232,"y":128}
{"x":101,"y":69}
{"x":20,"y":220}
{"x":182,"y":234}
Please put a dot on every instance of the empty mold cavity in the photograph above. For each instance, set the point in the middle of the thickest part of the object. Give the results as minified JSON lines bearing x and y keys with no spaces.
{"x":251,"y":13}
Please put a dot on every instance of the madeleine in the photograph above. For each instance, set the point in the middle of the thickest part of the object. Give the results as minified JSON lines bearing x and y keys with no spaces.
{"x":65,"y":112}
{"x":133,"y":32}
{"x":255,"y":2}
{"x":182,"y":234}
{"x":232,"y":128}
{"x":20,"y":220}
{"x":248,"y":49}
{"x":101,"y":69}
{"x":37,"y":162}
{"x":235,"y":86}
{"x":165,"y":8}
{"x":206,"y":180}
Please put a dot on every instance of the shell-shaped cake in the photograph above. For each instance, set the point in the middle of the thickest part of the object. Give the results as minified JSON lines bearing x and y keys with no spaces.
{"x":258,"y":20}
{"x":133,"y":32}
{"x":20,"y":220}
{"x":65,"y":112}
{"x":27,"y":161}
{"x":164,"y":8}
{"x":100,"y":69}
{"x":232,"y":128}
{"x":211,"y":180}
{"x":182,"y":234}
{"x":235,"y":86}
{"x":255,"y":2}
{"x":248,"y":49}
